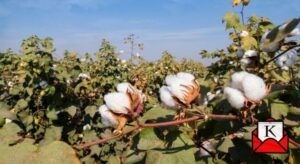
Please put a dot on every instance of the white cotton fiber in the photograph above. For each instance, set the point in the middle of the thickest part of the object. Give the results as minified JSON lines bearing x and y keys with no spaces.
{"x":166,"y":98}
{"x":186,"y":76}
{"x":287,"y":59}
{"x":107,"y":118}
{"x":117,"y":102}
{"x":234,"y":97}
{"x":123,"y":87}
{"x":254,"y":87}
{"x":176,"y":86}
{"x":237,"y":79}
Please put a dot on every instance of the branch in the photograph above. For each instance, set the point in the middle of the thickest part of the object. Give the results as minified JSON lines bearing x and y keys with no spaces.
{"x":276,"y":57}
{"x":160,"y":124}
{"x":242,"y":14}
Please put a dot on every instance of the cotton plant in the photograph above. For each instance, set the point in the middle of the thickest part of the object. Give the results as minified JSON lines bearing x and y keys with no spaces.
{"x":120,"y":106}
{"x":179,"y":92}
{"x":245,"y":88}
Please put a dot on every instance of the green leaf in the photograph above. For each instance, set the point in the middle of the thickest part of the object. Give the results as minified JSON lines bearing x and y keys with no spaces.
{"x":232,"y":20}
{"x":53,"y":133}
{"x":279,"y":109}
{"x":19,"y":153}
{"x":179,"y":156}
{"x":9,"y":133}
{"x":56,"y":152}
{"x":91,"y":110}
{"x":225,"y":144}
{"x":72,"y":110}
{"x":248,"y":43}
{"x":114,"y":160}
{"x":21,"y":104}
{"x":158,"y":112}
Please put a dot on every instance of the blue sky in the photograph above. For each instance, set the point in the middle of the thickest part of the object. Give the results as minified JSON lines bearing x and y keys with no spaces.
{"x":183,"y":27}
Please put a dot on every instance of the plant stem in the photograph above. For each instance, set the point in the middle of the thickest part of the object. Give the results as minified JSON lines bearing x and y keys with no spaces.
{"x":160,"y":124}
{"x":242,"y":14}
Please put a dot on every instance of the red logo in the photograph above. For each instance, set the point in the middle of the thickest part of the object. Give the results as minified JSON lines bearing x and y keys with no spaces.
{"x":269,"y":137}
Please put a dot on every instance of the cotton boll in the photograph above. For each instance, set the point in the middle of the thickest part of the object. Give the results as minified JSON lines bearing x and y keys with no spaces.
{"x":250,"y":53}
{"x":118,"y":102}
{"x":124,"y":87}
{"x":186,"y":76}
{"x":107,"y":117}
{"x":244,"y":34}
{"x":245,"y":61}
{"x":287,"y":59}
{"x":176,"y":86}
{"x":254,"y":87}
{"x":234,"y":97}
{"x":271,"y":48}
{"x":240,"y":52}
{"x":237,"y":80}
{"x":167,"y":98}
{"x":295,"y":32}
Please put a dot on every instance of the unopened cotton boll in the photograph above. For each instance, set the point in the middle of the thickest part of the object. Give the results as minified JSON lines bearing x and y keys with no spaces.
{"x":107,"y":117}
{"x":235,"y":97}
{"x":118,"y":102}
{"x":167,"y":98}
{"x":254,"y":87}
{"x":287,"y":59}
{"x":237,"y":80}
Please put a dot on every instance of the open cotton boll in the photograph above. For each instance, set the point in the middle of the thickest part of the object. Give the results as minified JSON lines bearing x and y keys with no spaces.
{"x":250,"y":53}
{"x":254,"y":87}
{"x":295,"y":32}
{"x":107,"y":118}
{"x":237,"y":80}
{"x":234,"y":97}
{"x":287,"y":59}
{"x":167,"y":98}
{"x":123,"y":87}
{"x":271,"y":48}
{"x":176,"y":86}
{"x":117,"y":102}
{"x":186,"y":76}
{"x":245,"y":61}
